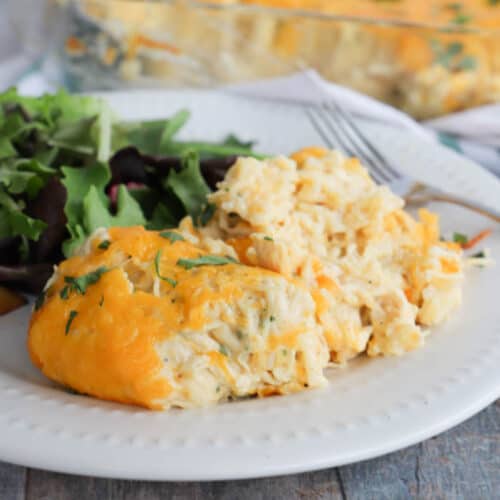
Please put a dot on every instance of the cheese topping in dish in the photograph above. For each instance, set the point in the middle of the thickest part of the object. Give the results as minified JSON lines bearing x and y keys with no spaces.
{"x":305,"y":260}
{"x":427,"y":57}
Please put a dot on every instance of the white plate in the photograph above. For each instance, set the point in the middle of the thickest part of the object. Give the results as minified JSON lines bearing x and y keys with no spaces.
{"x":373,"y":407}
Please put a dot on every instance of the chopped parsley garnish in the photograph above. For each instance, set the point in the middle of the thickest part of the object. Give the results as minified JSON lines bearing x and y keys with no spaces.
{"x":468,"y":63}
{"x":81,"y":283}
{"x":206,"y":260}
{"x":445,"y":55}
{"x":39,"y":301}
{"x":460,"y":16}
{"x":223,"y":350}
{"x":169,"y":280}
{"x":284,"y":352}
{"x":104,"y":245}
{"x":272,"y":318}
{"x":268,"y":238}
{"x":72,"y":316}
{"x":157,"y":269}
{"x":479,"y":255}
{"x":262,"y":318}
{"x":101,"y":302}
{"x":460,"y":238}
{"x":454,"y":48}
{"x":451,"y":56}
{"x":461,"y":19}
{"x":172,"y":236}
{"x":239,"y":334}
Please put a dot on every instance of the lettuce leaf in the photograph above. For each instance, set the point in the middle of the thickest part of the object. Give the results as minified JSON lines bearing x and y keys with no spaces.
{"x":189,"y":186}
{"x":15,"y":222}
{"x":87,"y":206}
{"x":55,"y":179}
{"x":96,"y":213}
{"x":61,"y":106}
{"x":78,"y":183}
{"x":7,"y":150}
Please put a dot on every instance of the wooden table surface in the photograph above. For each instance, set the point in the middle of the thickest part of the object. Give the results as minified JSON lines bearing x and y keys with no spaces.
{"x":463,"y":463}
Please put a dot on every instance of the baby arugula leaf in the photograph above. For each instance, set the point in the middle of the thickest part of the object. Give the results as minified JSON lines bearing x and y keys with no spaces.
{"x":154,"y":137}
{"x":15,"y":222}
{"x":34,"y":165}
{"x":232,"y":140}
{"x":207,"y":212}
{"x":59,"y":107}
{"x":172,"y":126}
{"x":77,"y":238}
{"x":23,"y":225}
{"x":161,"y":218}
{"x":78,"y":182}
{"x":17,"y":181}
{"x":7,"y":150}
{"x":146,"y":136}
{"x":188,"y":185}
{"x":209,"y":149}
{"x":76,"y":137}
{"x":96,"y":213}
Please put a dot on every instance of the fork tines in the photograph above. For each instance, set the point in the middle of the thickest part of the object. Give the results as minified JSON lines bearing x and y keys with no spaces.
{"x":337,"y":128}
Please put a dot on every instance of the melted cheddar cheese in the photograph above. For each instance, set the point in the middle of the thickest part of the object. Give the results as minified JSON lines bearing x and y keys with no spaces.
{"x":211,"y":332}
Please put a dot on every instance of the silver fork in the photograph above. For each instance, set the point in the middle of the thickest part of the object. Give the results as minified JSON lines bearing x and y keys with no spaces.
{"x":337,"y":128}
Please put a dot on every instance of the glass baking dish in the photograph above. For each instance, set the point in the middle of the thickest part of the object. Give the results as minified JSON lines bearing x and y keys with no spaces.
{"x":428,"y":58}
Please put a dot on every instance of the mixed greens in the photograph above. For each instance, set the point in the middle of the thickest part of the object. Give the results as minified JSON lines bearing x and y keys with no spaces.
{"x":68,"y":166}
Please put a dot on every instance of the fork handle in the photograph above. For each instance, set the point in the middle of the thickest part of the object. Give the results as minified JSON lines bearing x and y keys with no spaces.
{"x":455,"y":200}
{"x":414,"y":192}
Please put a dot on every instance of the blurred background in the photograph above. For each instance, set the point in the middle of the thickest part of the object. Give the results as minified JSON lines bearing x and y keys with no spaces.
{"x":427,"y":58}
{"x":435,"y":60}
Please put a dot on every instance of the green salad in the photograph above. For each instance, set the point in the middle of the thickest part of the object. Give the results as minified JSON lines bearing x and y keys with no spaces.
{"x":69,"y":165}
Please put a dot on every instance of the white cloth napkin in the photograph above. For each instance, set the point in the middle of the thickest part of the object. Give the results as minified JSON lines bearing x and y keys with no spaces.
{"x":475,"y":132}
